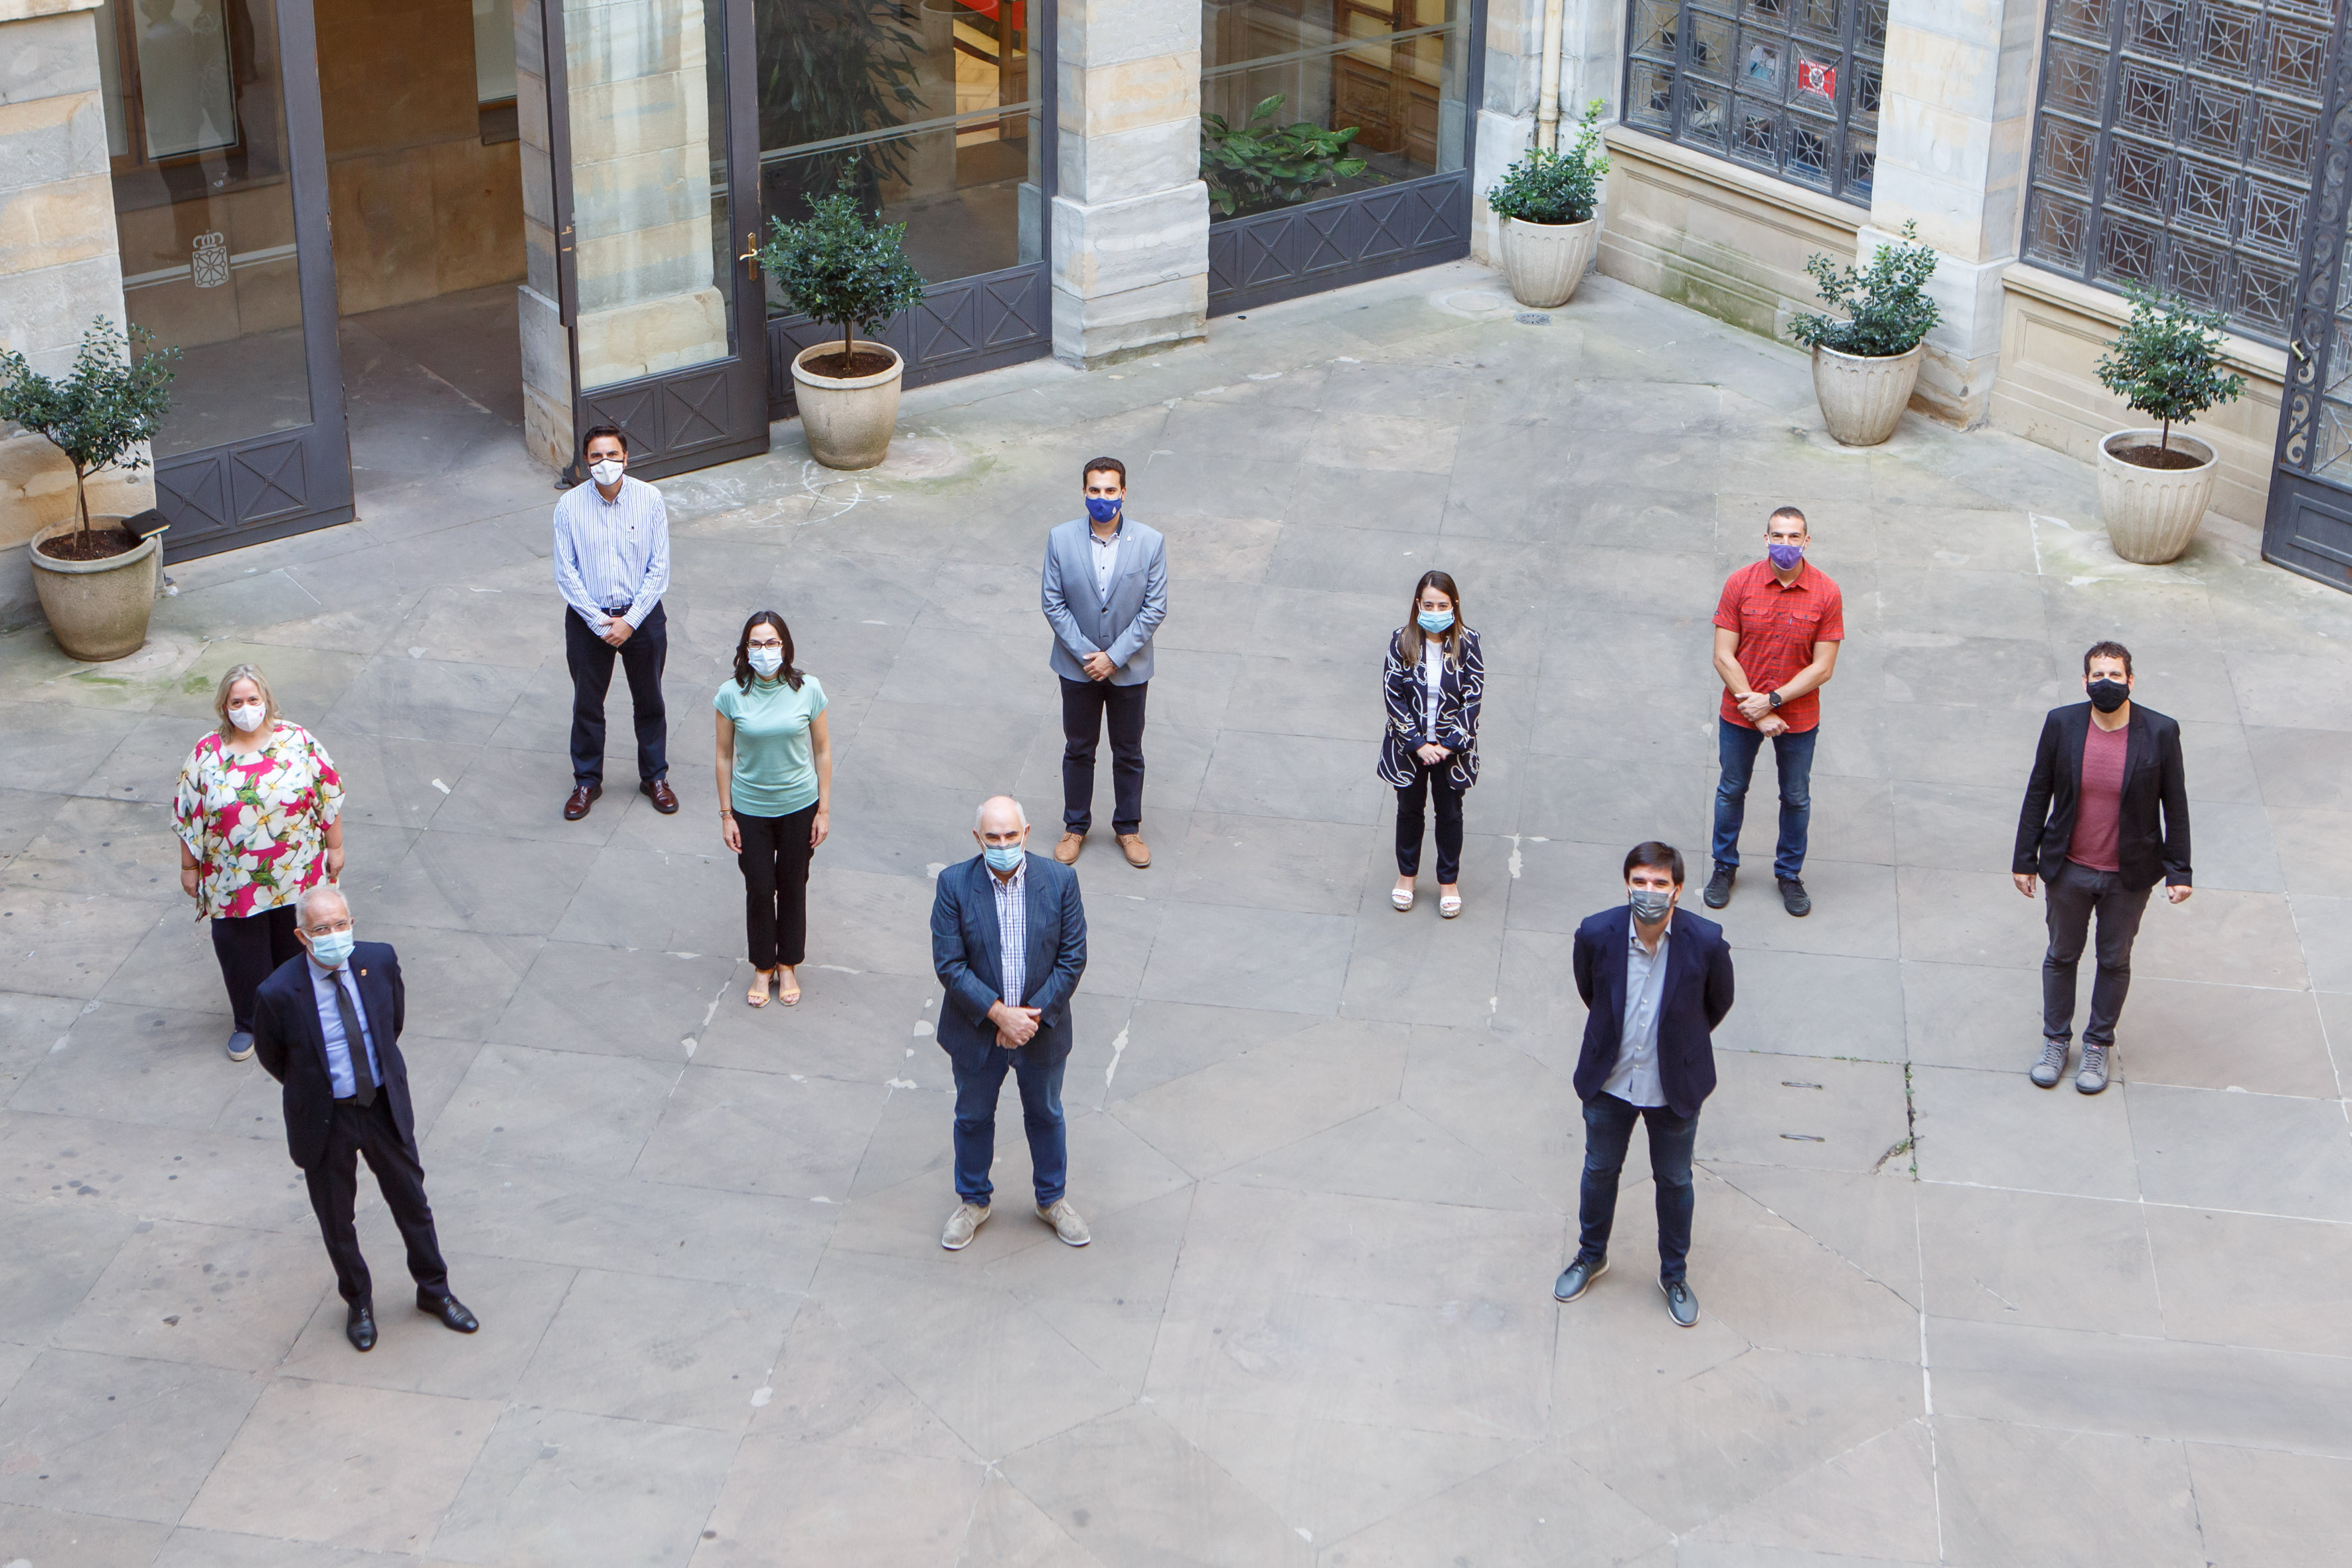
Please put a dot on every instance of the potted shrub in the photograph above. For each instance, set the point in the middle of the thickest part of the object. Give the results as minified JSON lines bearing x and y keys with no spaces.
{"x":1867,"y":365}
{"x":96,"y":577}
{"x":2166,"y":364}
{"x":851,"y":271}
{"x":1546,"y":201}
{"x":1261,"y":166}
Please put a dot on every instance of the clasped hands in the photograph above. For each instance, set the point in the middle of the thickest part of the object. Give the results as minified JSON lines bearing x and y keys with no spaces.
{"x":1015,"y":1026}
{"x":1098,"y":666}
{"x":1756,"y":708}
{"x":617,"y":630}
{"x":2178,"y":893}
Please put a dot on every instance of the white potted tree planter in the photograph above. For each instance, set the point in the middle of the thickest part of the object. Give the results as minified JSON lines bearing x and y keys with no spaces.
{"x":96,"y":576}
{"x":1867,"y":365}
{"x":2154,"y":486}
{"x":842,"y":267}
{"x":1546,"y":202}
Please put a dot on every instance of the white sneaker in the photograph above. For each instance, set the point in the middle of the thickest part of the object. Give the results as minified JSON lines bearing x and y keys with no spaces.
{"x":963,"y":1225}
{"x":1066,"y":1223}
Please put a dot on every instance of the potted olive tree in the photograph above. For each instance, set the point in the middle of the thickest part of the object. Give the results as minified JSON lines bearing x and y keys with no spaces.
{"x":2166,"y":365}
{"x":94,"y":577}
{"x":1546,"y":201}
{"x":1867,"y":365}
{"x":851,"y":271}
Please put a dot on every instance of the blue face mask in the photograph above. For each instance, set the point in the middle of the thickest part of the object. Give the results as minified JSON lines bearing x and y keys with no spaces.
{"x":1785,"y":556}
{"x":1005,"y":857}
{"x":1433,"y":622}
{"x":1102,"y":508}
{"x":333,"y":949}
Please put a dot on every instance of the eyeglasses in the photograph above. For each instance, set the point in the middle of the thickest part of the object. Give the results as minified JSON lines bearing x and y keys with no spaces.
{"x":330,"y":928}
{"x":763,"y":642}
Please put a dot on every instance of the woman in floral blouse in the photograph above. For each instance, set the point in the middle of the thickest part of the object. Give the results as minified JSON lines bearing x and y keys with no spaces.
{"x":259,"y":814}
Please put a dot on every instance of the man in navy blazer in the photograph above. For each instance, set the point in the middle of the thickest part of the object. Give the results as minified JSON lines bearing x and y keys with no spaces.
{"x":1655,"y":979}
{"x":1104,"y":589}
{"x":343,"y":1104}
{"x":1009,"y":942}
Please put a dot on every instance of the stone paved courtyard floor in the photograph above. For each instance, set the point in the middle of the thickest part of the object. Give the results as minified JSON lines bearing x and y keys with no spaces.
{"x":1328,"y":1151}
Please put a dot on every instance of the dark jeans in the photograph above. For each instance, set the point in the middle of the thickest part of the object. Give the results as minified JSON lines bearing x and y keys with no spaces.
{"x":1793,"y":760}
{"x":369,"y":1133}
{"x":590,"y":657}
{"x":1608,"y":1128}
{"x":775,"y":862}
{"x":250,"y":948}
{"x":1041,"y":1114}
{"x":2071,"y":897}
{"x":1428,"y":782}
{"x":1084,"y":706}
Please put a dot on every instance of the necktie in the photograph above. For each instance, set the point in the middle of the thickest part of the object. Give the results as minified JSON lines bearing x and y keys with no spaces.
{"x":354,"y":1043}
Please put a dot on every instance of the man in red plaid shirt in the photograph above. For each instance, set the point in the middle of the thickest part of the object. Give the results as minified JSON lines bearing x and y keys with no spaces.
{"x":1777,"y":631}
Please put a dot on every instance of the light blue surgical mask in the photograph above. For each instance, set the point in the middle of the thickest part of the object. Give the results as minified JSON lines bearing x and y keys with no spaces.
{"x":1102,"y":508}
{"x":333,"y":949}
{"x":767,"y":661}
{"x":1434,"y":622}
{"x":1004,"y":858}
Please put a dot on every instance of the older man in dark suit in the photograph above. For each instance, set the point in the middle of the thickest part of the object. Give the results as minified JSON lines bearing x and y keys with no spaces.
{"x":327,"y":1025}
{"x":1009,"y":941}
{"x":1655,"y":979}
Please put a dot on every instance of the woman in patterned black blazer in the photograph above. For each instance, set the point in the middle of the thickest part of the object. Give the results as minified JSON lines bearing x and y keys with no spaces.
{"x":1432,"y":683}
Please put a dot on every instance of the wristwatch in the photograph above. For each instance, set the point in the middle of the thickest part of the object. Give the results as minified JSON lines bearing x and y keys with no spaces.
{"x":1773,"y":698}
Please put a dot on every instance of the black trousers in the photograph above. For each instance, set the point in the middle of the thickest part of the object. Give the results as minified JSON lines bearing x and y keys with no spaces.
{"x":2071,"y":898}
{"x":250,"y":948}
{"x":370,"y":1133}
{"x":775,"y":862}
{"x":590,"y":657}
{"x":1084,"y":706}
{"x":1428,"y":782}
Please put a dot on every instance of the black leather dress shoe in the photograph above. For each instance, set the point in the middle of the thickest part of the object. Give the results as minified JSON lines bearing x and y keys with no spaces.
{"x":583,"y":796}
{"x":1578,"y":1278}
{"x":1794,"y":898}
{"x":1681,"y":1305}
{"x":450,"y":1311}
{"x":1719,"y":887}
{"x":360,"y":1328}
{"x":665,"y":798}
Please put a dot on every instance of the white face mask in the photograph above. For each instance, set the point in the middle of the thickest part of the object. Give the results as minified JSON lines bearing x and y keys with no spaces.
{"x":605,"y":470}
{"x":248,"y":716}
{"x":767,"y":660}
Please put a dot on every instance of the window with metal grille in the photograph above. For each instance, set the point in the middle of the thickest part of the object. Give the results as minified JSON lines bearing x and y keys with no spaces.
{"x":1790,"y":86}
{"x":2173,"y":147}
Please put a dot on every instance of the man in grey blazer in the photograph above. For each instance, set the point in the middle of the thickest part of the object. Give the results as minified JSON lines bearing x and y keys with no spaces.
{"x":1105,"y":591}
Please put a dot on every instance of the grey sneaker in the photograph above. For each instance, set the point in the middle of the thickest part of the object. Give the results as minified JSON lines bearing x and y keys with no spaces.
{"x":1576,"y":1279}
{"x":1793,"y":897}
{"x":240,"y":1046}
{"x":1681,"y":1305}
{"x":2093,"y":1076}
{"x":1066,"y":1223}
{"x":1719,"y":887}
{"x":963,"y":1225}
{"x":2053,"y":1064}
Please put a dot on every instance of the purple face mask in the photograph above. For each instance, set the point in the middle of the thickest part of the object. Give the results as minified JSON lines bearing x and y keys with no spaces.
{"x":1785,"y":556}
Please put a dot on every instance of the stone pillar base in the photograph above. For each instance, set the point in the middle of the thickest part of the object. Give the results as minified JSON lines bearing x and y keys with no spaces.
{"x":1130,"y":277}
{"x":546,"y":379}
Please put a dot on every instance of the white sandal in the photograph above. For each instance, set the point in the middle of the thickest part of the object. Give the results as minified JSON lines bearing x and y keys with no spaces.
{"x":1449,"y":906}
{"x":1401,"y":898}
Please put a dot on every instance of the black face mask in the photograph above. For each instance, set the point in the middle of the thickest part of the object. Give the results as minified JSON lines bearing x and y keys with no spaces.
{"x":2107,"y":695}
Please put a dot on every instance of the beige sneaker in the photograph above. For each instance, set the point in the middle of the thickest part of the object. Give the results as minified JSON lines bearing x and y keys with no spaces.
{"x":1137,"y":854}
{"x":1066,"y":1223}
{"x":1067,"y":850}
{"x":963,"y":1225}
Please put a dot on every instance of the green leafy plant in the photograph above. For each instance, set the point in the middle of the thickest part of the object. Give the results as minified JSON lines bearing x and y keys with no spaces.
{"x":1261,"y":164}
{"x":100,"y":416}
{"x":1545,"y":186}
{"x":840,"y":266}
{"x":1886,"y":307}
{"x":2166,"y":363}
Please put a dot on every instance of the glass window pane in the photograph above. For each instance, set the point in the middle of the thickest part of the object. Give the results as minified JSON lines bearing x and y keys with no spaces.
{"x":204,"y":213}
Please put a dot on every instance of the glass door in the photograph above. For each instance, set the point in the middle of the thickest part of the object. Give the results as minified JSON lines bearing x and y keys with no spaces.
{"x":220,"y":200}
{"x":655,"y":155}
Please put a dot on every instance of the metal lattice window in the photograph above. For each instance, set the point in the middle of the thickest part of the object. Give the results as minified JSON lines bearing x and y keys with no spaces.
{"x":2173,"y":147}
{"x":1790,"y":86}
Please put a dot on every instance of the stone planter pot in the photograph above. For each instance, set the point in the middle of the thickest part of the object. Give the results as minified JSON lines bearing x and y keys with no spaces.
{"x":2152,"y":513}
{"x":97,"y":610}
{"x":847,"y":421}
{"x":1862,"y":396}
{"x":1546,"y":261}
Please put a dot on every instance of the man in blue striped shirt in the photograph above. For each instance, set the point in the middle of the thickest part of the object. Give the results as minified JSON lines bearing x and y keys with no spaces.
{"x":612,"y":565}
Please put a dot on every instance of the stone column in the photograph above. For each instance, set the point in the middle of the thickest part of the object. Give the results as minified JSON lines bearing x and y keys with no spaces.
{"x":1130,"y":233}
{"x":1956,"y":123}
{"x":546,"y":342}
{"x":60,"y":264}
{"x":1589,"y":68}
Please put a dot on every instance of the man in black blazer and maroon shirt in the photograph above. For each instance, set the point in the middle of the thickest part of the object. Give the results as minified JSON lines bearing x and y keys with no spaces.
{"x":2104,"y":771}
{"x":327,"y":1025}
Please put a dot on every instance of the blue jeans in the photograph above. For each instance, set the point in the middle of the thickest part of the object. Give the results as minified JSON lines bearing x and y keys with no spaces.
{"x":1041,"y":1114}
{"x":1793,"y":758}
{"x":1608,"y":1128}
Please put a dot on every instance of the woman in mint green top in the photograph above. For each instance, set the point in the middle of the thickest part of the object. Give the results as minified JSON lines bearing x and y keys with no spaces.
{"x":775,"y":773}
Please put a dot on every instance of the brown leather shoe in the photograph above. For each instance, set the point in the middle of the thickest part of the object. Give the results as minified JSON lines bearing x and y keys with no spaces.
{"x":1139,"y":855}
{"x":583,"y":797}
{"x":665,"y":798}
{"x":1068,"y":848}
